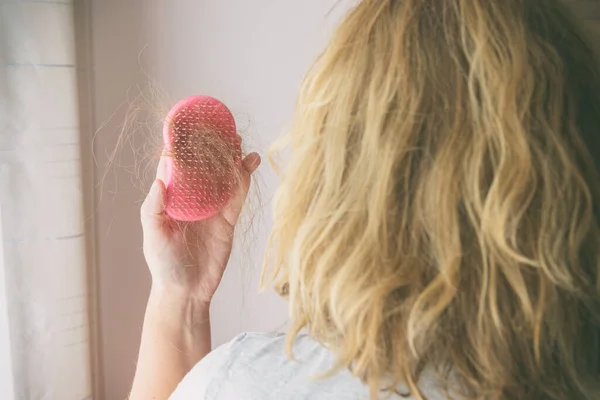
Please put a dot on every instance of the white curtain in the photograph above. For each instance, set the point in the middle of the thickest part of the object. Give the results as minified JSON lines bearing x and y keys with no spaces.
{"x":44,"y":302}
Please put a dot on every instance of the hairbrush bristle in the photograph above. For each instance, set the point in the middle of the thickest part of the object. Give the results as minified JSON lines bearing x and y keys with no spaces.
{"x":205,"y":158}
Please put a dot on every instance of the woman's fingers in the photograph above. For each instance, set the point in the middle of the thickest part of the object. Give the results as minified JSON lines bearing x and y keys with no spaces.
{"x":153,"y":215}
{"x":250,"y":163}
{"x":153,"y":208}
{"x":231,"y":212}
{"x":161,"y":170}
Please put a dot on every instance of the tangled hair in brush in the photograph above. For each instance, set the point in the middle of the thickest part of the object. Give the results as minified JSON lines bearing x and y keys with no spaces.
{"x":440,"y":208}
{"x":139,"y":146}
{"x":205,"y":158}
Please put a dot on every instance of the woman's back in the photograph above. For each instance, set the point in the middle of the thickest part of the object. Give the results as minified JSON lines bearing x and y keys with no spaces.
{"x":254,"y":366}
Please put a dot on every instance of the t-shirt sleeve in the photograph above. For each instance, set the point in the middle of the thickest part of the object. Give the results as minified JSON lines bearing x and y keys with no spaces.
{"x":197,"y":383}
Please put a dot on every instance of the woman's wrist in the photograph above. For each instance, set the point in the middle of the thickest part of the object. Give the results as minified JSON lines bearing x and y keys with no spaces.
{"x":175,"y":337}
{"x":179,"y":321}
{"x":177,"y":309}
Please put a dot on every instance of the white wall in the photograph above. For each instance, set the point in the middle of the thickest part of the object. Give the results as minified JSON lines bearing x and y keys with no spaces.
{"x":250,"y":54}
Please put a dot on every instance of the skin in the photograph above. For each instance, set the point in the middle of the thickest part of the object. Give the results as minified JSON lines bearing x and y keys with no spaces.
{"x":186,"y":262}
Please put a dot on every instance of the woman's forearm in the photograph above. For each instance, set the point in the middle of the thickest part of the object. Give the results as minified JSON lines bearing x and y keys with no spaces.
{"x":175,"y":336}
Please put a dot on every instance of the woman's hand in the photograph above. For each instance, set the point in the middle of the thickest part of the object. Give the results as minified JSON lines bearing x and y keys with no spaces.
{"x":188,"y":259}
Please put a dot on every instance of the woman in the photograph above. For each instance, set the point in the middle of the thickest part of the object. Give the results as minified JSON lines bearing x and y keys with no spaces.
{"x":437,"y":229}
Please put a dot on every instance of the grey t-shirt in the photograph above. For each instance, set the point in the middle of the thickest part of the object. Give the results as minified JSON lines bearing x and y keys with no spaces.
{"x":255,"y":367}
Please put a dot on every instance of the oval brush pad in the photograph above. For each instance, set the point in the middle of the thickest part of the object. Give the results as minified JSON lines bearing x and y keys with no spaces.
{"x":203,"y":158}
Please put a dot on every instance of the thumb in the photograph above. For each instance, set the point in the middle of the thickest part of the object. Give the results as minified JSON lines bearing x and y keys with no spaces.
{"x":153,"y":208}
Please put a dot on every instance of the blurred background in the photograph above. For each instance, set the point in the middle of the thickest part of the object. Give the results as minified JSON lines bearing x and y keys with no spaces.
{"x":72,"y":73}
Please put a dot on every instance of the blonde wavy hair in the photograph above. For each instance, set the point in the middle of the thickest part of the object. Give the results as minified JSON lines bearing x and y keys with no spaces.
{"x":440,"y":208}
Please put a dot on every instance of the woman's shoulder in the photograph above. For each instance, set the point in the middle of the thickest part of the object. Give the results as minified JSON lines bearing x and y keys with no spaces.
{"x":256,"y":366}
{"x":251,"y":350}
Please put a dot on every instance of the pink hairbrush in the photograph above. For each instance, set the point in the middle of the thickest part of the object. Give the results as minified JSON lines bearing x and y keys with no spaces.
{"x":203,"y":158}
